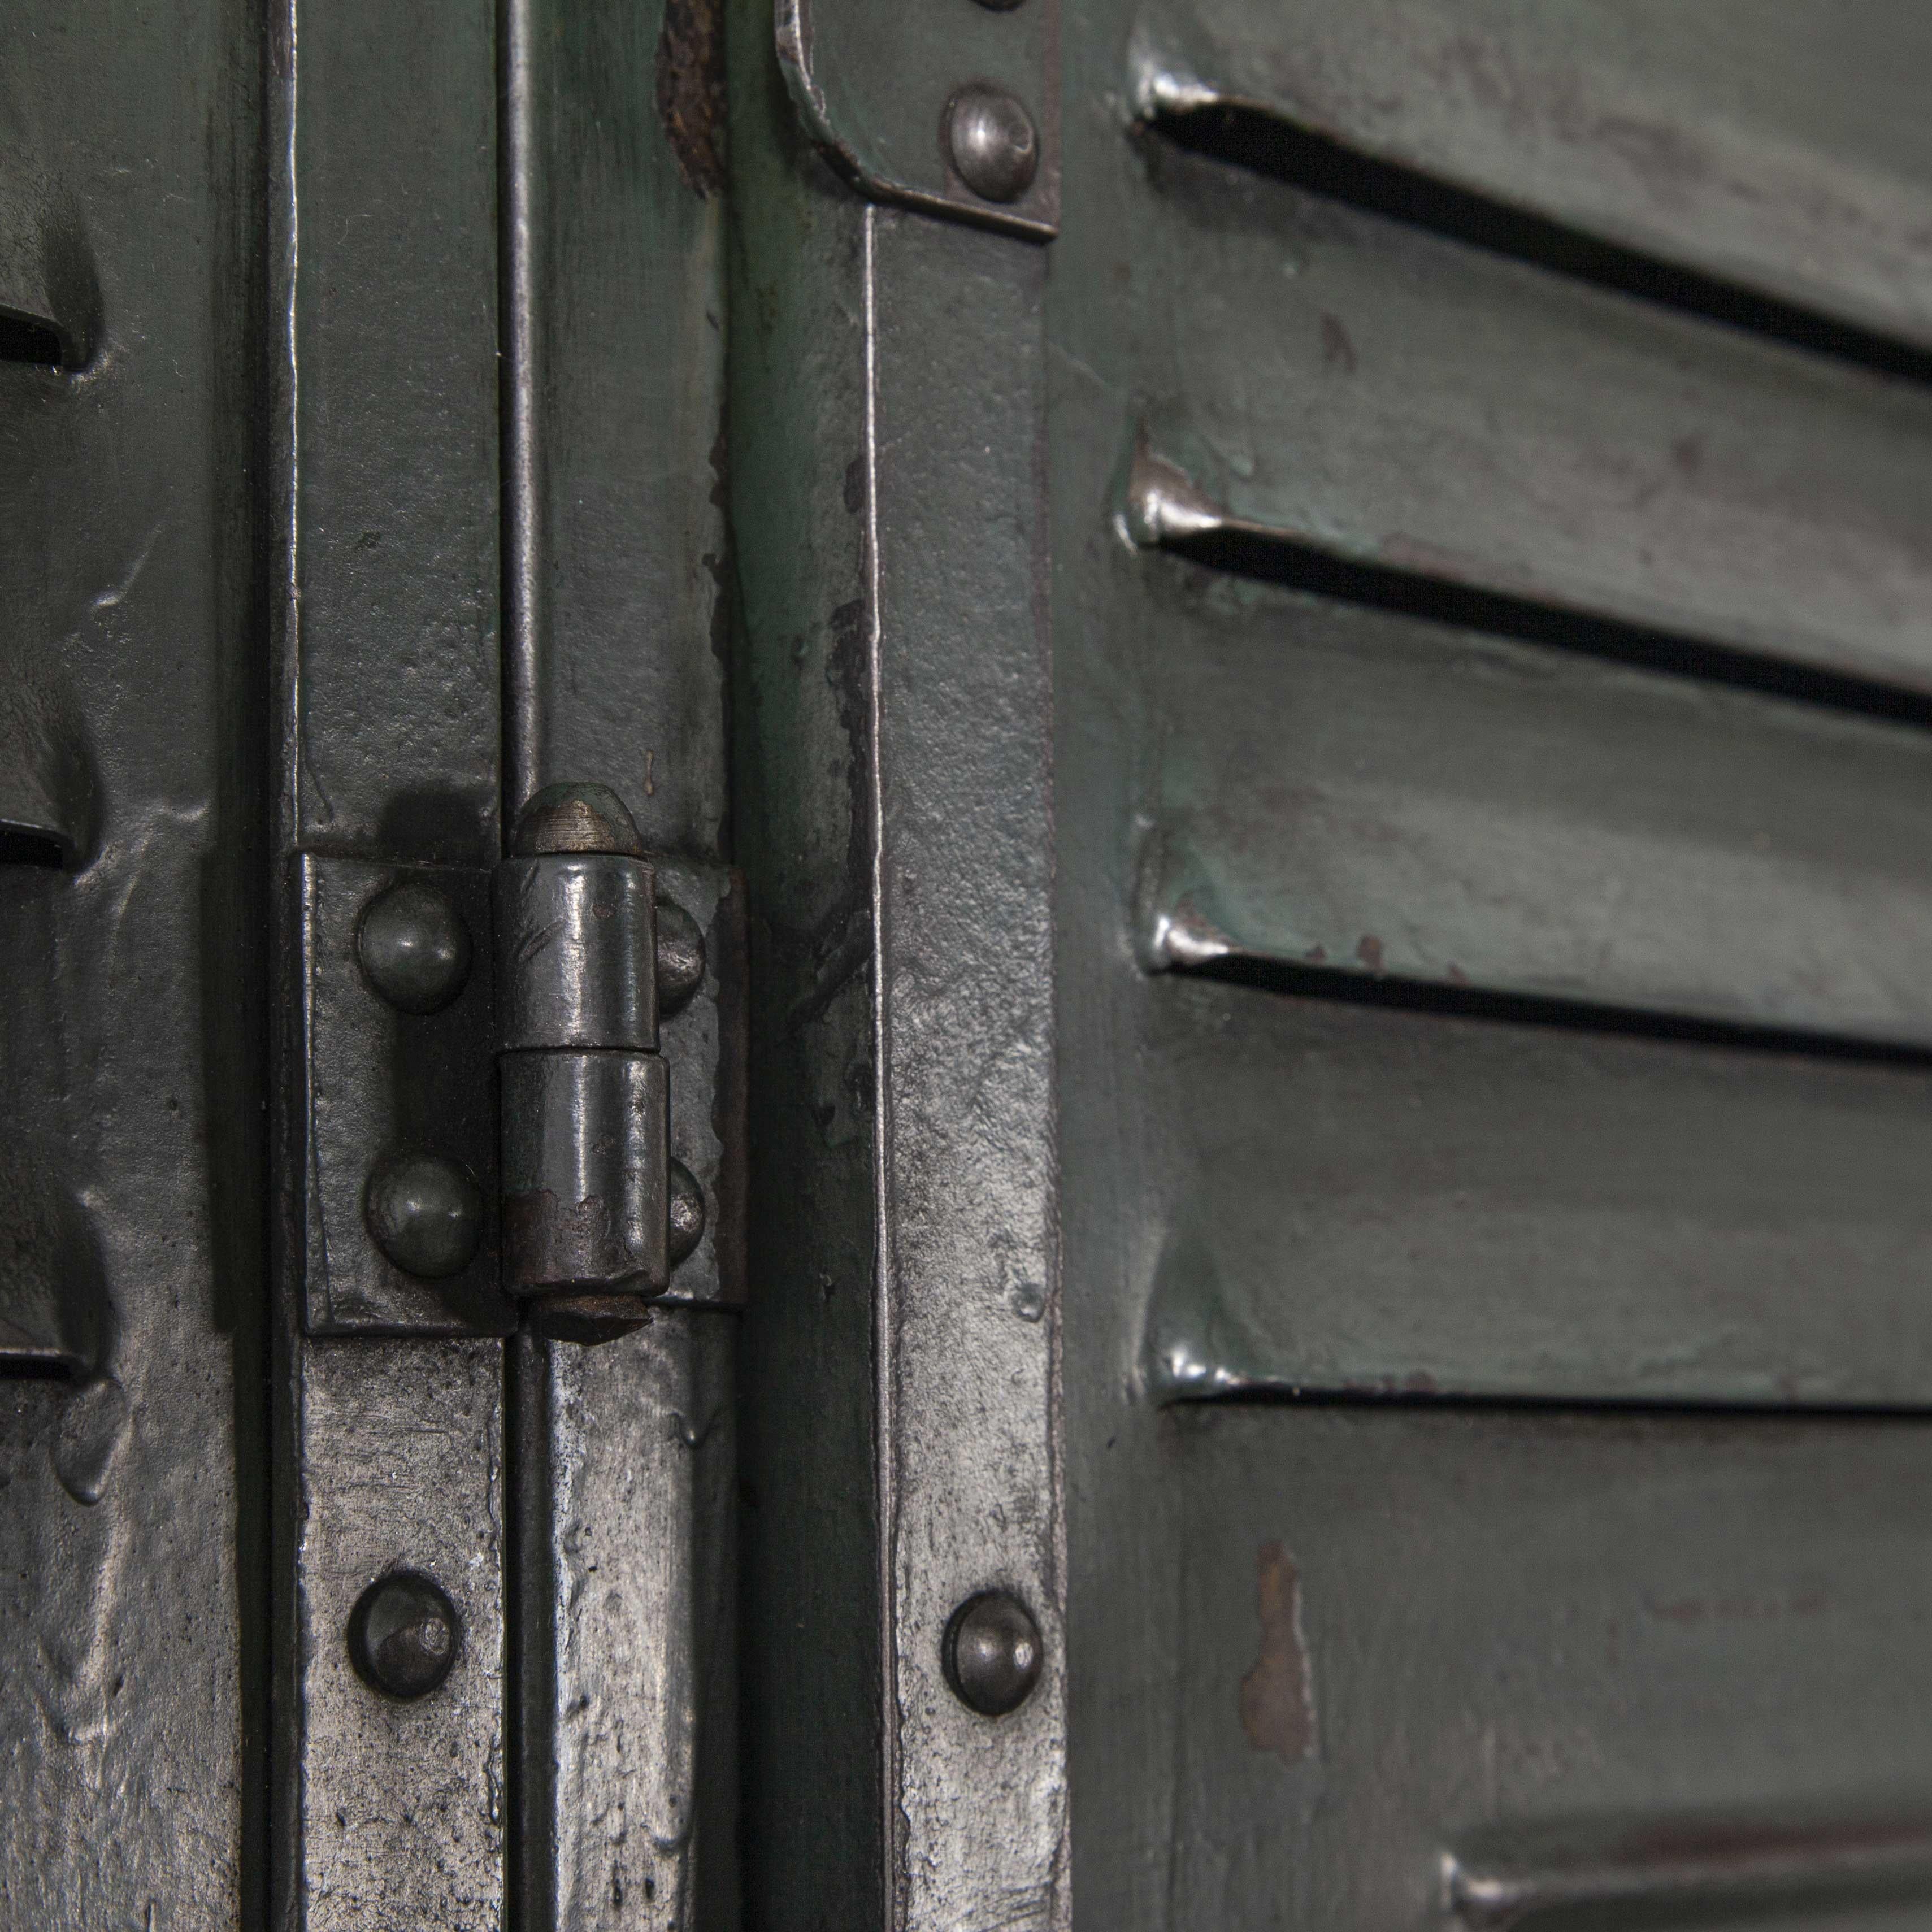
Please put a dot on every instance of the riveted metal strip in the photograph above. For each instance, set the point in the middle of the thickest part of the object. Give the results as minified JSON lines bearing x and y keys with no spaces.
{"x":970,"y":1506}
{"x":950,"y":108}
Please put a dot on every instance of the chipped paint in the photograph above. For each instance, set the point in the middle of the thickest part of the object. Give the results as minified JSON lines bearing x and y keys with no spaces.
{"x":1277,"y":1700}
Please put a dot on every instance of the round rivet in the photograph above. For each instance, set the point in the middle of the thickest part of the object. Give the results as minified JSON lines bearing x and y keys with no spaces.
{"x":687,"y":1212}
{"x":415,"y":947}
{"x":991,"y":140}
{"x":680,"y":956}
{"x":425,"y":1212}
{"x":992,"y":1653}
{"x":402,"y":1635}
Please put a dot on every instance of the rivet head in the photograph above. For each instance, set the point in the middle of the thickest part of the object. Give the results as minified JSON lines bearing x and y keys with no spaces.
{"x":680,"y":956}
{"x":687,"y":1212}
{"x":992,"y":1653}
{"x":425,"y":1212}
{"x":402,"y":1635}
{"x":414,"y":947}
{"x":992,"y":142}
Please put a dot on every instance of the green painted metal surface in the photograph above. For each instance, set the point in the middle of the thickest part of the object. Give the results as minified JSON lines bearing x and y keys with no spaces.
{"x":1343,"y":790}
{"x":1783,"y":148}
{"x":1475,"y":1599}
{"x":1330,"y":379}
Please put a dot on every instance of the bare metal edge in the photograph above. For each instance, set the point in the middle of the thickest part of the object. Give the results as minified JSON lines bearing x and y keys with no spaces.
{"x":1631,"y":1873}
{"x":792,"y":32}
{"x":1166,"y":506}
{"x":914,"y":1894}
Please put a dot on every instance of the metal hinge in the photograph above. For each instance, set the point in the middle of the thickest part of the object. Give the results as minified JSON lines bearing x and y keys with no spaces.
{"x":490,"y":1137}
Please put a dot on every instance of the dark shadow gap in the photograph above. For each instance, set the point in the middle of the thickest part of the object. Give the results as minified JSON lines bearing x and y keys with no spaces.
{"x":1287,"y":978}
{"x":1703,"y":1408}
{"x":1295,"y":565}
{"x":35,"y":1368}
{"x":25,"y":339}
{"x":19,"y":847}
{"x":1252,"y":138}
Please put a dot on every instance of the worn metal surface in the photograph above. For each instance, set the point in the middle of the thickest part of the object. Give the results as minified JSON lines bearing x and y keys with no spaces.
{"x":375,"y":1082}
{"x":382,"y":457}
{"x":402,"y":1469}
{"x":586,"y":1171}
{"x":1380,"y":1648}
{"x":386,"y":307}
{"x":880,"y":87}
{"x":967,"y":1269}
{"x":1324,"y":384}
{"x":627,"y":1641}
{"x":577,"y":951}
{"x":1783,"y":149}
{"x":1341,"y":791}
{"x":131,"y":1589}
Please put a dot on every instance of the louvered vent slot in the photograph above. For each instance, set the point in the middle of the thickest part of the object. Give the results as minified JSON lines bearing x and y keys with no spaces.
{"x":1606,"y":689}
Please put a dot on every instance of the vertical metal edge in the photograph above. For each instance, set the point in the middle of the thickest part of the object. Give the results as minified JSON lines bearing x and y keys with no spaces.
{"x":968,"y":1410}
{"x":522,"y":609}
{"x":347,"y":1502}
{"x":289,"y":1079}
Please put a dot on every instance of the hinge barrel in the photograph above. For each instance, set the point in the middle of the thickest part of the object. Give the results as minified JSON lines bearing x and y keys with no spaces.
{"x":584,"y":1100}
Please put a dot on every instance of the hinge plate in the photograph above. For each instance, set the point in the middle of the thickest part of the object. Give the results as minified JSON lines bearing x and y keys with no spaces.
{"x":876,"y":82}
{"x":376,"y":1081}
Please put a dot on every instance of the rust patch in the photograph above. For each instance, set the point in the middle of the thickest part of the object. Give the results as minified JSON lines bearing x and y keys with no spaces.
{"x":1278,"y":1694}
{"x":691,"y":91}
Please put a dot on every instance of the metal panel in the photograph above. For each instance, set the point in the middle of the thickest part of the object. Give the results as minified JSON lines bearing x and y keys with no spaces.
{"x":1330,"y":1195}
{"x":388,"y":227}
{"x":1342,"y":790}
{"x":1325,"y":381}
{"x":1412,"y":1669}
{"x":968,"y":1264}
{"x":402,"y":1462}
{"x":384,"y":460}
{"x":1785,"y":148}
{"x":132,"y":1586}
{"x":878,"y":84}
{"x":625,"y":1609}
